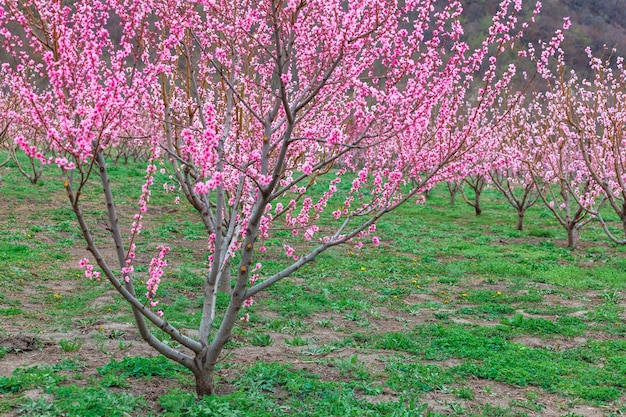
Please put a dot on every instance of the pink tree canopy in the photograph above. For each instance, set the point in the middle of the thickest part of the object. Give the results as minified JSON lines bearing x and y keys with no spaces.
{"x":248,"y":104}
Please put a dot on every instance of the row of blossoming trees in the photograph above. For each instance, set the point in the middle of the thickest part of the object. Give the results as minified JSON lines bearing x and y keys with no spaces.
{"x":248,"y":103}
{"x":562,"y":146}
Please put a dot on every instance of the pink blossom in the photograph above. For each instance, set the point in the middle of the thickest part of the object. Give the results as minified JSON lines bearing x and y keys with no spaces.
{"x":155,"y":272}
{"x":202,"y":188}
{"x":566,"y":23}
{"x":289,"y":251}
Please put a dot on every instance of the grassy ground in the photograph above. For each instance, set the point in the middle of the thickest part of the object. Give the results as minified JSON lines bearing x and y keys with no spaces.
{"x":453,"y":315}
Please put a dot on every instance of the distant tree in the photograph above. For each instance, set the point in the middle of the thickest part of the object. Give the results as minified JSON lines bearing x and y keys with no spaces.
{"x":596,"y":120}
{"x":550,"y":152}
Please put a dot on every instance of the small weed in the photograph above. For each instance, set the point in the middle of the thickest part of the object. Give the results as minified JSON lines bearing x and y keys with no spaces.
{"x":70,"y":345}
{"x":464,"y":393}
{"x":368,"y":388}
{"x":448,"y":280}
{"x":375,"y":314}
{"x":353,"y":316}
{"x":351,"y":366}
{"x":297,"y":341}
{"x":124,"y":345}
{"x":442,"y":315}
{"x":114,"y":380}
{"x":414,"y":311}
{"x":488,"y":390}
{"x":315,"y":350}
{"x":101,"y":342}
{"x":611,"y":297}
{"x":261,"y":340}
{"x":39,"y":407}
{"x":116,"y":334}
{"x":457,"y":408}
{"x":324,"y":323}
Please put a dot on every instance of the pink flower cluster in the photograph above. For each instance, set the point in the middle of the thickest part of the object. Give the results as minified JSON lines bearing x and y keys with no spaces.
{"x":155,"y":270}
{"x":89,"y":272}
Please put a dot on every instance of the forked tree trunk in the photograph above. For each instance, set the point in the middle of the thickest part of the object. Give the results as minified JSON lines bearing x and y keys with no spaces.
{"x":477,"y":187}
{"x":453,"y":188}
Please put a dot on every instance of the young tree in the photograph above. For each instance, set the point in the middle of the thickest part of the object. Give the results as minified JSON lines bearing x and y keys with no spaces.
{"x":555,"y":164}
{"x":548,"y":146}
{"x":477,"y":184}
{"x":249,"y":103}
{"x":509,"y":174}
{"x":32,"y":168}
{"x":517,"y":188}
{"x":595,"y":116}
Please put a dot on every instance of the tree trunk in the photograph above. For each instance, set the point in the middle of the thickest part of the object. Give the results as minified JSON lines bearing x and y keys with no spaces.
{"x":205,"y":385}
{"x":573,"y":236}
{"x":520,"y":220}
{"x":224,"y":285}
{"x":477,"y":207}
{"x":622,"y":214}
{"x":453,"y":189}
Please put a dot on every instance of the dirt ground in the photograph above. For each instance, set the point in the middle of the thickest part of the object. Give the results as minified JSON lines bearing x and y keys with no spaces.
{"x":28,"y":349}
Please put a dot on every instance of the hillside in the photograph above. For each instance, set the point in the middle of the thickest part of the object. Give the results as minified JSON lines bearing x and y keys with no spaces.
{"x":595,"y":23}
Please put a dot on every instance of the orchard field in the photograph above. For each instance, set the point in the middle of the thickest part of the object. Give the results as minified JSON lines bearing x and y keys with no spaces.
{"x":452,"y":315}
{"x":284,"y":241}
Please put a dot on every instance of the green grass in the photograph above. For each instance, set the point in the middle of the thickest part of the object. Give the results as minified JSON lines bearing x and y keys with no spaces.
{"x":448,"y":304}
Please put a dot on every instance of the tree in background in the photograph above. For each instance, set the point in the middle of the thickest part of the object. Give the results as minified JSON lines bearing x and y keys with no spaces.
{"x":248,"y":104}
{"x":573,"y":141}
{"x":595,"y":117}
{"x":507,"y":171}
{"x":550,"y":153}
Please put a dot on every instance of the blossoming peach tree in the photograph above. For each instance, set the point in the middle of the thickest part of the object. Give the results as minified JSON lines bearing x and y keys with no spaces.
{"x":566,"y":138}
{"x":593,"y":119}
{"x":248,"y":103}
